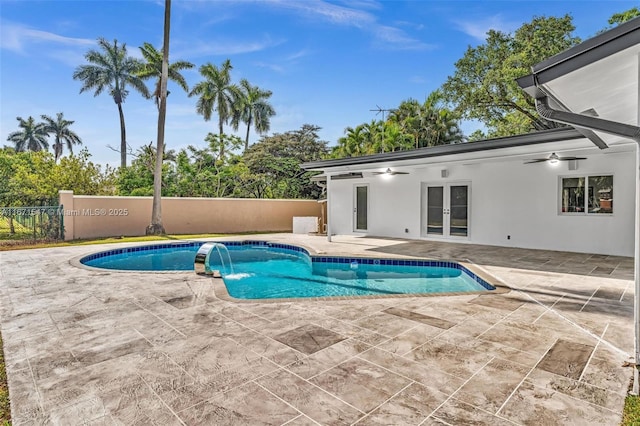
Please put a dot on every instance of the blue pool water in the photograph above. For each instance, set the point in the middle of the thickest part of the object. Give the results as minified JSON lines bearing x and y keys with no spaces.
{"x":261,"y":270}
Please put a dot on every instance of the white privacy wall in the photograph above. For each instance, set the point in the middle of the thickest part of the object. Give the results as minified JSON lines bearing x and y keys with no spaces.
{"x":507,"y":198}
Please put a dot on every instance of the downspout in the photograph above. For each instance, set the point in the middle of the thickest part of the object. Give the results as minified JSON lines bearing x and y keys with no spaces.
{"x":626,"y":131}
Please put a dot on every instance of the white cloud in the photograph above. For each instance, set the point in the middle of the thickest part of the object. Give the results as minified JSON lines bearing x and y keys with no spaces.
{"x":297,"y":55}
{"x":397,"y":39}
{"x":218,"y":19}
{"x":362,"y":4}
{"x":331,"y":12}
{"x":273,"y":67}
{"x":387,"y":37}
{"x":70,"y":57}
{"x":478,"y":28}
{"x":418,"y":27}
{"x":17,"y":38}
{"x":223,"y":47}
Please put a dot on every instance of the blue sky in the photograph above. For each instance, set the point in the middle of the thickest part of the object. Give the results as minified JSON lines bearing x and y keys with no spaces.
{"x":328,"y":63}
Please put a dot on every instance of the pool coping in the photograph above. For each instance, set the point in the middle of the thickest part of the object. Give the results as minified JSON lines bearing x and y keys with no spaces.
{"x":221,"y":292}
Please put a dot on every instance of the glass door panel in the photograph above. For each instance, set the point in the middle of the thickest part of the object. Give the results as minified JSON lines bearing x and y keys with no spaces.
{"x":459,"y":210}
{"x":361,"y":208}
{"x":435,"y":210}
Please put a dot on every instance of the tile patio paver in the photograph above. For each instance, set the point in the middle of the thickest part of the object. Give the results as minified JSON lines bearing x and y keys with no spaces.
{"x":309,"y":338}
{"x":360,"y":383}
{"x":566,"y":358}
{"x":103,"y":348}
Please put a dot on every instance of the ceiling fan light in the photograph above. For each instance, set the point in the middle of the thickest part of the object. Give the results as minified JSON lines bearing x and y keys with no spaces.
{"x":554,"y":159}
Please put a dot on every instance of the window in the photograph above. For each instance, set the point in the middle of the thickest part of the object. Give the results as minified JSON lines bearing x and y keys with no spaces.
{"x":588,"y":194}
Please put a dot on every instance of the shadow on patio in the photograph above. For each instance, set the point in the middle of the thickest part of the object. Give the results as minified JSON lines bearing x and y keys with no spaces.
{"x":517,"y":258}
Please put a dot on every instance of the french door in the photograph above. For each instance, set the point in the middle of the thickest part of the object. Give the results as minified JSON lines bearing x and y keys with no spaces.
{"x":360,"y":207}
{"x":445,"y":210}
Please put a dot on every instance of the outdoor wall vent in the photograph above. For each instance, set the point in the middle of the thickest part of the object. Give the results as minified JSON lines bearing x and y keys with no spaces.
{"x":573,"y":164}
{"x":352,"y":175}
{"x":444,"y":173}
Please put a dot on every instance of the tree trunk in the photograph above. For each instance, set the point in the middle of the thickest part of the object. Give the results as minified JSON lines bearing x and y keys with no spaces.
{"x":57,"y":149}
{"x":12,"y":229}
{"x":123,"y":138}
{"x":156,"y":227}
{"x":246,"y":141}
{"x":221,"y":139}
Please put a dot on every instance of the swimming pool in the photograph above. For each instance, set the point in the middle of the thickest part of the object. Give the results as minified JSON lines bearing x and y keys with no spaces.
{"x":264,"y":270}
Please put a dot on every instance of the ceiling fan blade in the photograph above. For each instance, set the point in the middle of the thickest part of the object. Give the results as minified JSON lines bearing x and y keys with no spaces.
{"x":399,"y":173}
{"x":379,"y":173}
{"x":571,"y":158}
{"x":539,"y":160}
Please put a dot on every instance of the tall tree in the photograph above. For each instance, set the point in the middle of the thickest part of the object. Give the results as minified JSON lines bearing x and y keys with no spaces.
{"x":216,"y":93}
{"x":156,"y":227}
{"x":393,"y":139}
{"x":430,"y":123}
{"x":411,"y":125}
{"x":59,"y":128}
{"x":483,"y":86}
{"x":622,"y":17}
{"x":112,"y":69}
{"x":152,"y":68}
{"x":353,"y":143}
{"x":31,"y":137}
{"x":253,"y":107}
{"x":275,"y":162}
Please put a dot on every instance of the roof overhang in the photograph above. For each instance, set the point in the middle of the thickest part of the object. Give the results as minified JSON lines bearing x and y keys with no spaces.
{"x":490,"y":148}
{"x":597,"y":78}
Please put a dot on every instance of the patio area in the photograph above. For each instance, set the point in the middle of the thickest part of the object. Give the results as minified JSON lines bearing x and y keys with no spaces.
{"x":103,"y":348}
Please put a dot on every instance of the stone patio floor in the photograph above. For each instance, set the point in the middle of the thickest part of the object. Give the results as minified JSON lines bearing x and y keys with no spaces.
{"x":102,"y":348}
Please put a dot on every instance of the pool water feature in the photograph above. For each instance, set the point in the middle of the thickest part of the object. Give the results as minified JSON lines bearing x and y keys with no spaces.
{"x":225,"y":264}
{"x":263,"y":270}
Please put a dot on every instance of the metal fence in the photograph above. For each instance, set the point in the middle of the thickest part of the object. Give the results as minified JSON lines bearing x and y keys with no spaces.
{"x":40,"y":221}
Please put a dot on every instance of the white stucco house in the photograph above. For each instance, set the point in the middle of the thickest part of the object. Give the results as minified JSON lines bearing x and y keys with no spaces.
{"x":498,"y":191}
{"x":490,"y":192}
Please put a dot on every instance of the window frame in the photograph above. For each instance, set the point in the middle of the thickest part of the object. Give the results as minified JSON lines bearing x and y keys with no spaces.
{"x":586,"y":178}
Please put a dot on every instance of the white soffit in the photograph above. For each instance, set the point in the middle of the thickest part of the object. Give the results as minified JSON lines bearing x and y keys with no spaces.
{"x":609,"y":86}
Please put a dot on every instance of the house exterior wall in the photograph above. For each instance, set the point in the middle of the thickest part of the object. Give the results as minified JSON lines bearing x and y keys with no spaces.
{"x":507,"y":198}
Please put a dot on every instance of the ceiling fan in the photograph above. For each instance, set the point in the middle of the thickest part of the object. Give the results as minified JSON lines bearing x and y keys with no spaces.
{"x":554,"y":159}
{"x":390,"y":173}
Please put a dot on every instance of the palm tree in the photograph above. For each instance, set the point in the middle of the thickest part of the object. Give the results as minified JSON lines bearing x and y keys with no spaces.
{"x":60,"y":129}
{"x":216,"y":92}
{"x":429,"y":123}
{"x":32,"y":137}
{"x":353,"y":143}
{"x":112,"y":69}
{"x":152,"y":68}
{"x":393,"y":139}
{"x":411,"y":118}
{"x":156,"y":227}
{"x":373,"y":133}
{"x":440,"y":126}
{"x":252,"y":107}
